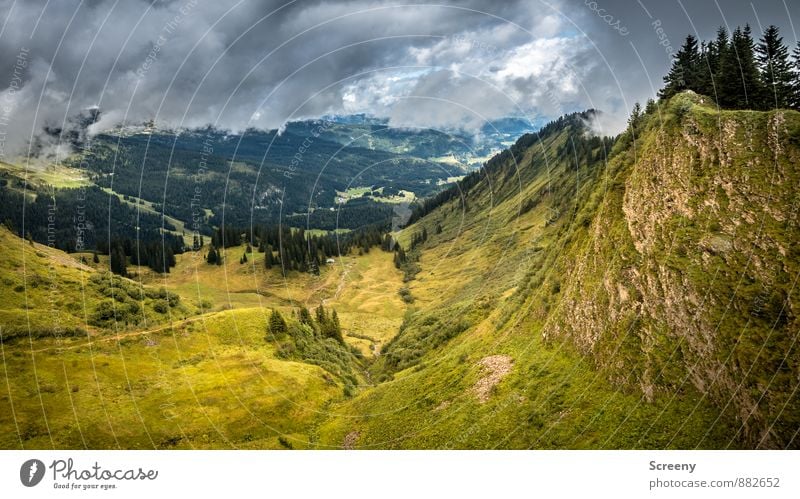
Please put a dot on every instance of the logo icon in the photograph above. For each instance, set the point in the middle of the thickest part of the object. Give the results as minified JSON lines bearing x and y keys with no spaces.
{"x":31,"y":472}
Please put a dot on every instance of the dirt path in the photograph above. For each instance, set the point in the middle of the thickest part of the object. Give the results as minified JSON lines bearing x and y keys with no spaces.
{"x":341,"y":286}
{"x":121,"y":336}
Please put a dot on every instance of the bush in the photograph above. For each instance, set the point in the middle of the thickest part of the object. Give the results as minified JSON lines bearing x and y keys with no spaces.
{"x":161,"y":306}
{"x":133,"y":308}
{"x":103,"y":314}
{"x":405,"y":294}
{"x":303,"y":344}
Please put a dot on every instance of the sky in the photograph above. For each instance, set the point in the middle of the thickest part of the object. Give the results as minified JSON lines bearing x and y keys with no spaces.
{"x":236,"y":64}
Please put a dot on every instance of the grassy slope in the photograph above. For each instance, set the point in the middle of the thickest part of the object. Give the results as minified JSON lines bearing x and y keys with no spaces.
{"x":43,"y":174}
{"x":571,"y":273}
{"x":698,"y":292}
{"x":586,"y":372}
{"x":48,"y":293}
{"x":209,"y":383}
{"x":199,"y":375}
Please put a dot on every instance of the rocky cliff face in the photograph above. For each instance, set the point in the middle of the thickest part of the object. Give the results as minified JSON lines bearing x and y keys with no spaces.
{"x":642,"y":296}
{"x":688,"y":272}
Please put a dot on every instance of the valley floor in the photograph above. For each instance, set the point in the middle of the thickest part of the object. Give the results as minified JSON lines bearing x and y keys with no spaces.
{"x":206,"y":376}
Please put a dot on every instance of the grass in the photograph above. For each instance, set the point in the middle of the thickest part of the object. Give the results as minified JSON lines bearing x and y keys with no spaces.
{"x":553,"y":398}
{"x":357,"y":192}
{"x":211,"y":383}
{"x":49,"y":293}
{"x":640,"y":304}
{"x":363,"y":289}
{"x":600,"y":358}
{"x":322,"y":232}
{"x":44,"y":174}
{"x":174,"y":379}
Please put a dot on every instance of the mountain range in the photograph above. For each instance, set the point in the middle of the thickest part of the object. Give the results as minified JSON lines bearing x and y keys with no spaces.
{"x":576,"y":291}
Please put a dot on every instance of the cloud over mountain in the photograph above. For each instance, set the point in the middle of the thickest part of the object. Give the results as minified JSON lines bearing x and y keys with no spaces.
{"x":245,"y":63}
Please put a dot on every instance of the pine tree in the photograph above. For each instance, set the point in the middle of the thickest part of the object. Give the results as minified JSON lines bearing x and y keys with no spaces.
{"x":399,"y":256}
{"x":635,"y":118}
{"x":95,"y":258}
{"x":776,"y":70}
{"x":322,"y":316}
{"x":740,"y":81}
{"x":795,"y":101}
{"x":268,"y":258}
{"x":714,"y":54}
{"x":336,"y":327}
{"x":705,"y":71}
{"x":169,"y":258}
{"x":304,"y":316}
{"x":119,"y":265}
{"x":212,"y":255}
{"x":277,"y":324}
{"x":683,"y":74}
{"x":649,"y":108}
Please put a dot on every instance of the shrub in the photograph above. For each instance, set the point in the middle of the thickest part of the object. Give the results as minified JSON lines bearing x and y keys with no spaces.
{"x":405,"y":294}
{"x":160,"y":306}
{"x":103,"y":314}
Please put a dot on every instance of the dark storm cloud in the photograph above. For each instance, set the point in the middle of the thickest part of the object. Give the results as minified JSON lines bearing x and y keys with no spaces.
{"x":259,"y":63}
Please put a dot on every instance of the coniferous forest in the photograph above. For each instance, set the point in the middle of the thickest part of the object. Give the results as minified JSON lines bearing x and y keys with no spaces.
{"x":737,"y":71}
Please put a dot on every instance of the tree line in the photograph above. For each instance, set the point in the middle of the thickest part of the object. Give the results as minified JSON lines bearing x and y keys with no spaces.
{"x":737,"y":72}
{"x":291,"y":248}
{"x":159,"y":256}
